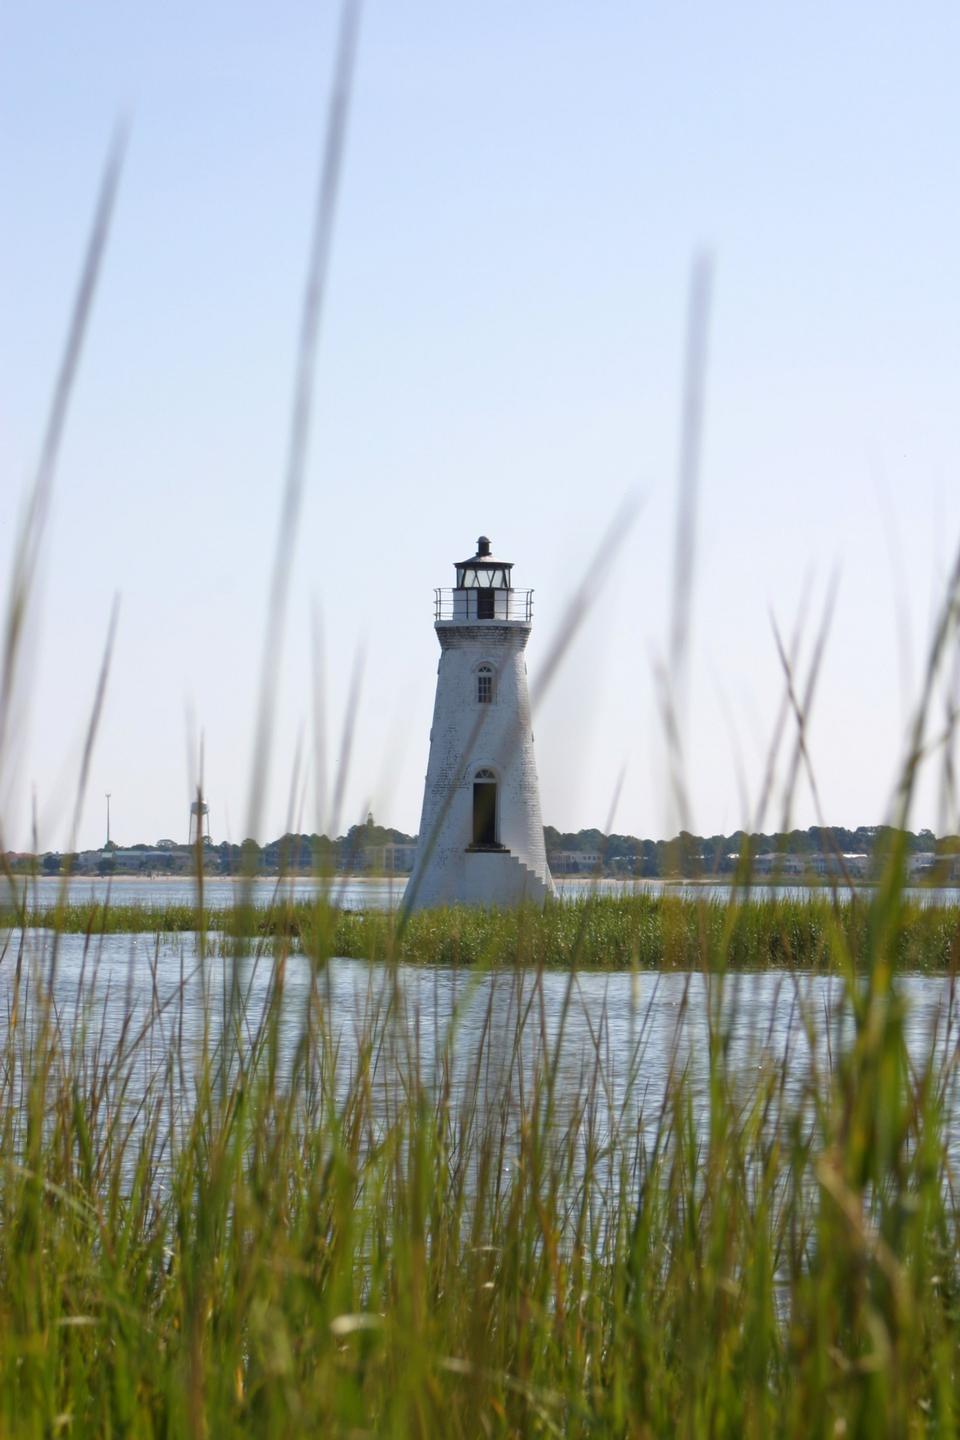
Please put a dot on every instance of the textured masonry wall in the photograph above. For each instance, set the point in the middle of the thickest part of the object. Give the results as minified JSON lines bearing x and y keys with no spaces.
{"x":466,"y":737}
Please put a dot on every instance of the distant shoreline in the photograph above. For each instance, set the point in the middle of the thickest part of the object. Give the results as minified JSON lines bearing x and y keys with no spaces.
{"x":759,"y":882}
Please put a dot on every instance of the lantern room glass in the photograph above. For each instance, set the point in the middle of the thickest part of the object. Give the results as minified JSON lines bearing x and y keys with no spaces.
{"x":474,"y":578}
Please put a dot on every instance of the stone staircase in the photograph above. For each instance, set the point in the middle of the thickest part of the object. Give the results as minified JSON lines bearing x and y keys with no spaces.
{"x":533,"y":887}
{"x":500,"y":877}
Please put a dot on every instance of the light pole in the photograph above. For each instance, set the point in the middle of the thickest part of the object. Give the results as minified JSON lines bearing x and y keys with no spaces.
{"x":108,"y":819}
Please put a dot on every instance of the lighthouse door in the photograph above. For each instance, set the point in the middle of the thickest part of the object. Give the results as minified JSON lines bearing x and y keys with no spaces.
{"x":485,"y":808}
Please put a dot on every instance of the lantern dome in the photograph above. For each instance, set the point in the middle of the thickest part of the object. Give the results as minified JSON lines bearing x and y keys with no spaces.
{"x":482,"y":571}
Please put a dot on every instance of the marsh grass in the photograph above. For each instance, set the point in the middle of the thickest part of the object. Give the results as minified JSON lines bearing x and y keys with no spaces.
{"x":258,"y":1223}
{"x":600,"y":932}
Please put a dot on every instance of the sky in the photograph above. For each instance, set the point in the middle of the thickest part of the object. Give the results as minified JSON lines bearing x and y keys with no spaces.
{"x":525,"y":191}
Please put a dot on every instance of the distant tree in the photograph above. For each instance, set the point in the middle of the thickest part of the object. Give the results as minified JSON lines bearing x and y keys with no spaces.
{"x":51,"y":864}
{"x":650,"y":859}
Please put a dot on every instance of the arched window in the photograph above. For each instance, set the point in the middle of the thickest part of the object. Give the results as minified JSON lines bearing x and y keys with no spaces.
{"x":484,"y":684}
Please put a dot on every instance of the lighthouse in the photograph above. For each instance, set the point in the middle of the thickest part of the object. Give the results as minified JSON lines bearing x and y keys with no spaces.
{"x":481,"y":831}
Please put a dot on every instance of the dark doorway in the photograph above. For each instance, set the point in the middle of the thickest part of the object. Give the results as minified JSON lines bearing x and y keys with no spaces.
{"x":484,"y":812}
{"x":484,"y":604}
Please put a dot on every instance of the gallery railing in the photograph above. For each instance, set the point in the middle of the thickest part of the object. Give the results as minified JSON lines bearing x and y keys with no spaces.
{"x":478,"y":604}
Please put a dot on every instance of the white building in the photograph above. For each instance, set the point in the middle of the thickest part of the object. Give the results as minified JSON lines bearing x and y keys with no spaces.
{"x":576,"y":862}
{"x":395,"y":858}
{"x":481,"y":831}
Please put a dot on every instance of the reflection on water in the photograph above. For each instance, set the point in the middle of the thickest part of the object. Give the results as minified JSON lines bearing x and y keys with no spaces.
{"x":615,"y":1036}
{"x":356,"y":893}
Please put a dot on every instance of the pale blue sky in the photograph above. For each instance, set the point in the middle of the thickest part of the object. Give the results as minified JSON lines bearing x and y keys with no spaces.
{"x":525,"y":187}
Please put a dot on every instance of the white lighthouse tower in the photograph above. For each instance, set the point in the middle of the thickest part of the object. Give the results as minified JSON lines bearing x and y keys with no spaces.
{"x":481,"y":831}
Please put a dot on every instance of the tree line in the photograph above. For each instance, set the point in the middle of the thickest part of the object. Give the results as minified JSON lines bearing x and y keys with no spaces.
{"x":693,"y":856}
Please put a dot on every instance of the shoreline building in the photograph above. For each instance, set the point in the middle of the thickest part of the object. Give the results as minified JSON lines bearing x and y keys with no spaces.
{"x":481,"y":831}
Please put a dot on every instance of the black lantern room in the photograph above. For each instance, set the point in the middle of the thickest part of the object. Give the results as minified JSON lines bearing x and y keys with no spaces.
{"x":484,"y":591}
{"x":482,"y":571}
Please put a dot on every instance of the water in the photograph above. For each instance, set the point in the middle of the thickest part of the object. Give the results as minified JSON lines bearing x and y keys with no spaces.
{"x":623,"y":1035}
{"x":359,"y":893}
{"x":219,"y":892}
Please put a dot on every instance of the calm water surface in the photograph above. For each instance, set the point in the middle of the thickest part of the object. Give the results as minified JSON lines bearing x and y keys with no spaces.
{"x":357,"y":893}
{"x":622,"y":1035}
